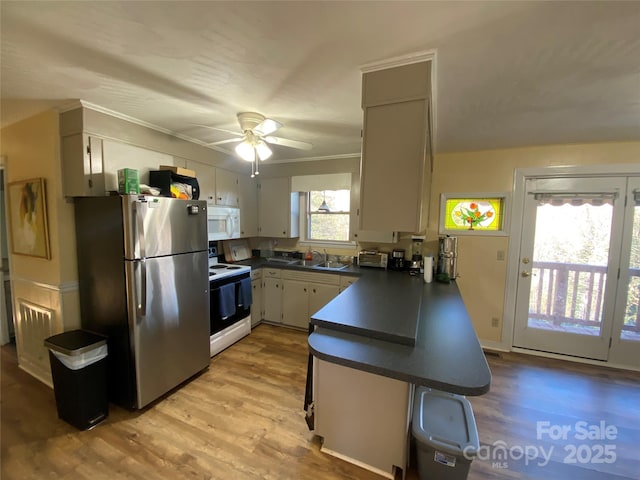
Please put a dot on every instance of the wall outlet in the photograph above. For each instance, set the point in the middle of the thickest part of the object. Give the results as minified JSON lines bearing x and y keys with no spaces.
{"x":500,"y":255}
{"x":495,"y":322}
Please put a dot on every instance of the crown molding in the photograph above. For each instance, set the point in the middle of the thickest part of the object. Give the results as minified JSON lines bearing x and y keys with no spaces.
{"x":97,"y":108}
{"x":314,"y":159}
{"x":417,"y":57}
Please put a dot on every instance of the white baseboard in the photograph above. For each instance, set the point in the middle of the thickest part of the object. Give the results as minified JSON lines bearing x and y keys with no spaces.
{"x":494,"y":346}
{"x":586,"y":361}
{"x":375,"y":470}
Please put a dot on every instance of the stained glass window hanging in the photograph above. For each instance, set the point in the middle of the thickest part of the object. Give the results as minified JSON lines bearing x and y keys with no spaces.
{"x":473,"y":214}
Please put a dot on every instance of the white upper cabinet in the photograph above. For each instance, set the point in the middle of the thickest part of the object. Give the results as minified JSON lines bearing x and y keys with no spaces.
{"x":82,"y":170}
{"x":248,"y":193}
{"x":278,"y":208}
{"x":226,"y":188}
{"x":217,"y":186}
{"x":90,"y":164}
{"x":206,"y":175}
{"x":396,"y":164}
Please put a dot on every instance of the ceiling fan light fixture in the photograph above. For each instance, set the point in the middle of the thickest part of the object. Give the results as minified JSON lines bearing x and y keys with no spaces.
{"x":245,"y":151}
{"x":263,"y":150}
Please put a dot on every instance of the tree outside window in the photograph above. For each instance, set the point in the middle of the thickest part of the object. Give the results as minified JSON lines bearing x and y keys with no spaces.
{"x":332,"y":224}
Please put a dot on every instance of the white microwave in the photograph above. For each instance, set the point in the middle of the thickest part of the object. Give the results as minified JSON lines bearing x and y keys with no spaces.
{"x":223,"y":223}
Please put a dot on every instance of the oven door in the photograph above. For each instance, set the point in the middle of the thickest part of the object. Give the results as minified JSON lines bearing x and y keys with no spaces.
{"x":222,"y":293}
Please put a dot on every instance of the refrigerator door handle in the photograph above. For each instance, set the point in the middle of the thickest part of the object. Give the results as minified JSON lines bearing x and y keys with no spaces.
{"x":140,"y":229}
{"x":141,"y":297}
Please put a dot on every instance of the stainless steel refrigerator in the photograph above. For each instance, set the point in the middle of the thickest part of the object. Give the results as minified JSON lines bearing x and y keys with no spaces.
{"x":143,"y":282}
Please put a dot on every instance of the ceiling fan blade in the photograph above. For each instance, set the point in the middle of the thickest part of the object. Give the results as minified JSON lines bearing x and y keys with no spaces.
{"x":230,"y":140}
{"x":267,"y":126}
{"x":285,"y":142}
{"x":239,"y":134}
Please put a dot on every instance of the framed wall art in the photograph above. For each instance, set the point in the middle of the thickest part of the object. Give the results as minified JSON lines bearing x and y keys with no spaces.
{"x":28,"y":218}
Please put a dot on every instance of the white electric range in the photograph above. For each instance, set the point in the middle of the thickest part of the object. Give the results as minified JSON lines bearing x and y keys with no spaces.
{"x":230,"y":304}
{"x":218,"y":271}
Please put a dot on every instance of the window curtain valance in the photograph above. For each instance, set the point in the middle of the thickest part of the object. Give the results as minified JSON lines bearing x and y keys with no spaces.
{"x":575,"y":199}
{"x":318,"y":183}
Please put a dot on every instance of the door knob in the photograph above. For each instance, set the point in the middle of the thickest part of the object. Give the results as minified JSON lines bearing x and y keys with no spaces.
{"x":526,"y":274}
{"x":525,"y":260}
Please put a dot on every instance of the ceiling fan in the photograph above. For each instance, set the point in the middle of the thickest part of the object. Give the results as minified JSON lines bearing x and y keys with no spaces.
{"x":255,"y":134}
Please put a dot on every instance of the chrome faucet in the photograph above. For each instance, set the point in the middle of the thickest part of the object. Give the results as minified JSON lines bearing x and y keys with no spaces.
{"x":324,"y":256}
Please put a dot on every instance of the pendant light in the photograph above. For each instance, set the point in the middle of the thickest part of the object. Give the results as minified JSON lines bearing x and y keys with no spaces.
{"x":323,"y":206}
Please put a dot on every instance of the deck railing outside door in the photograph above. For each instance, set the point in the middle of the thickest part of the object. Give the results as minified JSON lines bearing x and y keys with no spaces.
{"x":572,"y":294}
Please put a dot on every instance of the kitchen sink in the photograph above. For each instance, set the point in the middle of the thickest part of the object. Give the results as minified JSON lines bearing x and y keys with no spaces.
{"x":313,"y":264}
{"x":330,"y":266}
{"x":284,"y":261}
{"x":308,"y":263}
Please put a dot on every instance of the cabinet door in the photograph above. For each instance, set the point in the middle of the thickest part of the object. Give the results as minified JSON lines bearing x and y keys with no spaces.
{"x":256,"y":306}
{"x":82,"y":173}
{"x":295,"y":303}
{"x":392,"y":191}
{"x":278,"y":208}
{"x":206,"y":175}
{"x":396,"y":84}
{"x":226,"y":188}
{"x":320,"y":295}
{"x":272,"y":299}
{"x":248,"y":193}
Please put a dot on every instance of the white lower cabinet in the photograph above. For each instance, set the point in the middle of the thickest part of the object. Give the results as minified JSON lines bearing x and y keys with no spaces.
{"x":291,"y":297}
{"x":304,"y":294}
{"x":320,"y":295}
{"x":272,"y":295}
{"x":295,"y":303}
{"x":257,"y":304}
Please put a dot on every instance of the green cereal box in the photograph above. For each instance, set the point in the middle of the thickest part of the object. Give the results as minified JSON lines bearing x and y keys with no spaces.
{"x":128,"y":180}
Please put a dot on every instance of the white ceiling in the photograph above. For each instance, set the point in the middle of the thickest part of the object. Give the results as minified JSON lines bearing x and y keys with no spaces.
{"x":508,"y":74}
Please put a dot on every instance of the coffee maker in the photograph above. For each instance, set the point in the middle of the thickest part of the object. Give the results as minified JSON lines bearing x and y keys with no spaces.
{"x":397,"y":259}
{"x":415,"y":266}
{"x":448,"y":257}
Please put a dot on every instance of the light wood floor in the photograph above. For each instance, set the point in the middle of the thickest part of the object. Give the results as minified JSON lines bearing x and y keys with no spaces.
{"x":243,"y":419}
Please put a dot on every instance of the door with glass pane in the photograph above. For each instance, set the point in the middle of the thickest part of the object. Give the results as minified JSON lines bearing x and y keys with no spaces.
{"x":568,"y":266}
{"x":625,"y":345}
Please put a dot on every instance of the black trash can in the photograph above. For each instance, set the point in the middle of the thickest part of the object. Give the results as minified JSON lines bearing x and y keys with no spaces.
{"x":79,"y":371}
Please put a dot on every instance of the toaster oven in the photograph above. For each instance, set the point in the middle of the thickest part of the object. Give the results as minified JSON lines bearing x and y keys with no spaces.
{"x":372,"y":258}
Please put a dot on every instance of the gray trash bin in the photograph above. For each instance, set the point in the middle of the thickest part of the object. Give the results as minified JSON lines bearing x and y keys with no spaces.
{"x":445,"y":433}
{"x":79,"y":372}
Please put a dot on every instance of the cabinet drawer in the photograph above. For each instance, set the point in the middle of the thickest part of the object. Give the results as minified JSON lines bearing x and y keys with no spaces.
{"x":256,"y":274}
{"x":326,"y":278}
{"x":271,"y":273}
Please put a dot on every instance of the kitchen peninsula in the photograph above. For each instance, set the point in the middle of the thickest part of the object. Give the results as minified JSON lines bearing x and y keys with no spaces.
{"x":372,"y":345}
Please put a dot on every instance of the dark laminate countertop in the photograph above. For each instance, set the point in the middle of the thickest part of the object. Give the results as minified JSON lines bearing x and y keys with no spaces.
{"x":391,"y":324}
{"x":447,"y":354}
{"x":381,"y":304}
